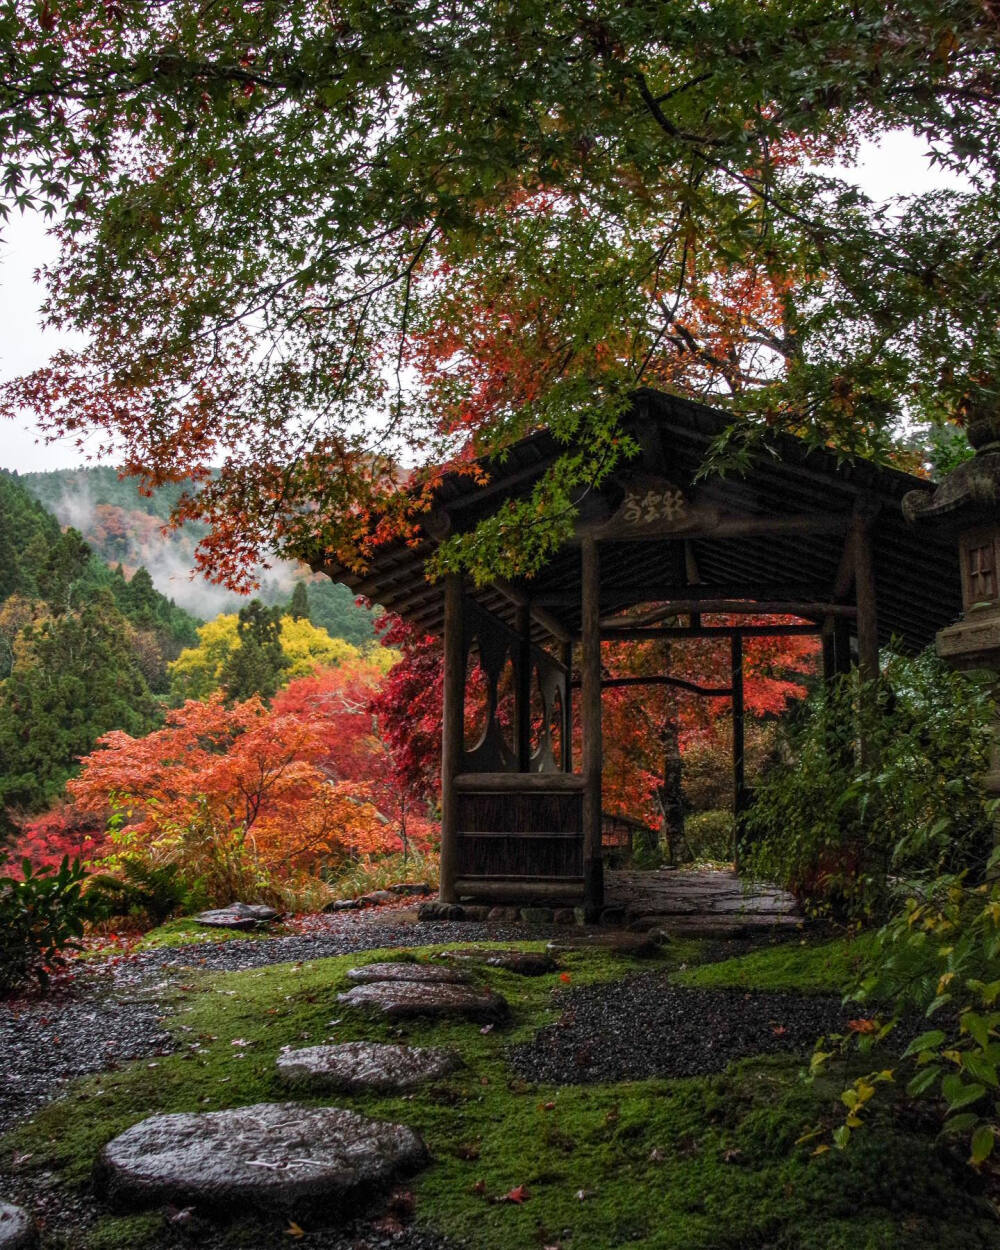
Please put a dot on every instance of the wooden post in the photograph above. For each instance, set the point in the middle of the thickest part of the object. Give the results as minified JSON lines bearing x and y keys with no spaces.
{"x":523,"y":701}
{"x":864,"y":590}
{"x":864,"y":587}
{"x":836,"y":648}
{"x":452,"y":731}
{"x":739,"y":745}
{"x":567,"y":727}
{"x":590,"y":714}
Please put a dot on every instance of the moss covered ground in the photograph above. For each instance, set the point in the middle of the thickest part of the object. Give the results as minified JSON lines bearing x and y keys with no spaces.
{"x":801,"y":966}
{"x":695,"y":1164}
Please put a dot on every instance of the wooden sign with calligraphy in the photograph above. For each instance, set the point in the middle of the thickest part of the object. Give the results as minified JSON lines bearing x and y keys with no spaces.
{"x":653,"y":508}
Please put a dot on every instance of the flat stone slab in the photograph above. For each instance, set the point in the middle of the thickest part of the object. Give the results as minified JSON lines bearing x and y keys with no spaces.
{"x":273,"y":1156}
{"x":237,"y":916}
{"x":17,"y":1230}
{"x":424,"y":973}
{"x":398,"y":1000}
{"x":524,"y":963}
{"x":355,"y":1067}
{"x":618,"y":943}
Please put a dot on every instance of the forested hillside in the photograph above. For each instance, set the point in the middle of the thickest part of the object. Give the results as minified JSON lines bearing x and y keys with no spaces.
{"x":83,"y":649}
{"x":124,"y":527}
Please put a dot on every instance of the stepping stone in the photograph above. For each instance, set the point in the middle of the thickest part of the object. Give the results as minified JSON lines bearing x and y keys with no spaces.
{"x":399,"y":1000}
{"x":424,"y":973}
{"x":17,"y":1230}
{"x":525,"y":963}
{"x":356,"y":1067}
{"x":282,"y":1157}
{"x":237,"y":916}
{"x":617,"y":943}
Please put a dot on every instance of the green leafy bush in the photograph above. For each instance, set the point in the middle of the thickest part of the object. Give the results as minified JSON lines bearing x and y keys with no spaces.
{"x":41,"y":916}
{"x":709,"y":835}
{"x":851,"y":833}
{"x":144,"y":889}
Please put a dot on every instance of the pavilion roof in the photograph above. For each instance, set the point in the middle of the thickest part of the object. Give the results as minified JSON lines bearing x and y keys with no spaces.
{"x":916,"y":572}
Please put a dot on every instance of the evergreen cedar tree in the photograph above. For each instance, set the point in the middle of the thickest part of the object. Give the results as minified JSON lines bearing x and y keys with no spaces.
{"x":307,"y":240}
{"x":82,"y":651}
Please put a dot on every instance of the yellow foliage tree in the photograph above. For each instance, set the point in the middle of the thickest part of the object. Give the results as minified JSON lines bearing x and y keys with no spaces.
{"x":197,"y":671}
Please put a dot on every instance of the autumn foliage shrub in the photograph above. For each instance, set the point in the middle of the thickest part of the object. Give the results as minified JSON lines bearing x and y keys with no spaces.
{"x":246,"y":800}
{"x":42,"y":914}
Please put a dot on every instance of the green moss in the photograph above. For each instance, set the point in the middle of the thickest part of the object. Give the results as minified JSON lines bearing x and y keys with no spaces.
{"x":827,"y":967}
{"x":186,"y":931}
{"x":699,"y":1164}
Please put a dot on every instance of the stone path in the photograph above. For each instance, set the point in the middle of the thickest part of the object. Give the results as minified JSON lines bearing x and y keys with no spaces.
{"x":708,"y":903}
{"x":360,"y":1067}
{"x":283,"y":1157}
{"x":16,"y":1229}
{"x":401,"y":1000}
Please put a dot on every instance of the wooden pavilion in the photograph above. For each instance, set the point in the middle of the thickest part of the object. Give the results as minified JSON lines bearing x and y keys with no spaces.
{"x":801,"y":534}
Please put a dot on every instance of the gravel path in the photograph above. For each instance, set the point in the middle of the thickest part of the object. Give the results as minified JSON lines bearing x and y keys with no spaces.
{"x":644,"y":1026}
{"x":113,"y":1012}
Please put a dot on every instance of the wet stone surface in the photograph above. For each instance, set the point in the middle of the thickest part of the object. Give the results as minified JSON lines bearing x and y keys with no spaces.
{"x":424,"y":973}
{"x":17,"y":1232}
{"x":617,"y":943}
{"x":281,"y":1157}
{"x":356,"y":1067}
{"x":398,"y":1000}
{"x":237,"y":916}
{"x":524,"y":963}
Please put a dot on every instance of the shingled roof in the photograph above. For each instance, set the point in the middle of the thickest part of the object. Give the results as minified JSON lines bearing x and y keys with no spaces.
{"x":916,"y":573}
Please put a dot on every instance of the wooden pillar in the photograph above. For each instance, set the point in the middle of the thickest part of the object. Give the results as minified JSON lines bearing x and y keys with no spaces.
{"x":452,"y":730}
{"x":523,"y":701}
{"x":567,"y":703}
{"x":864,"y":588}
{"x":739,"y":740}
{"x":836,"y":647}
{"x":739,"y":744}
{"x":590,"y":714}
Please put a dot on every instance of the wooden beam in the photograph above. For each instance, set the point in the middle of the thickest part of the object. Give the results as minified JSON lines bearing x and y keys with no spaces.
{"x":735,"y":607}
{"x":649,"y":590}
{"x":452,"y":730}
{"x":552,"y":623}
{"x":726,"y":527}
{"x":615,"y":683}
{"x":519,"y":783}
{"x":717,"y":631}
{"x":590,"y":712}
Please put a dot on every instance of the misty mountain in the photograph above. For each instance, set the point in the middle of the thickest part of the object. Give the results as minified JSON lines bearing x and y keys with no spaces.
{"x":124,"y":527}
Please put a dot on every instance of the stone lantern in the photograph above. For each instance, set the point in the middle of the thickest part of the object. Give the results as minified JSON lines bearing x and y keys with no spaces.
{"x":967,"y":505}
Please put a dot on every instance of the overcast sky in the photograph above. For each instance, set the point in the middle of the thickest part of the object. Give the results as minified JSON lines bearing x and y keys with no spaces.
{"x":897,"y":166}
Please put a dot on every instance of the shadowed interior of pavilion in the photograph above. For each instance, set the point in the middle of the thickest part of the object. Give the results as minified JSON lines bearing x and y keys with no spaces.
{"x":802,"y":534}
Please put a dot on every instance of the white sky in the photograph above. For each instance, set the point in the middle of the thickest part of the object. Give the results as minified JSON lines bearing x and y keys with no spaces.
{"x":896,"y":166}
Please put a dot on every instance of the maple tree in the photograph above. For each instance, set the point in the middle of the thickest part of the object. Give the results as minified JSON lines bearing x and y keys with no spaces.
{"x":264,"y":207}
{"x":648,"y":729}
{"x":287,"y":789}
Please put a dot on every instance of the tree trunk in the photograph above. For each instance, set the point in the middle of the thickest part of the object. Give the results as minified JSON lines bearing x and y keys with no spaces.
{"x":671,"y":792}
